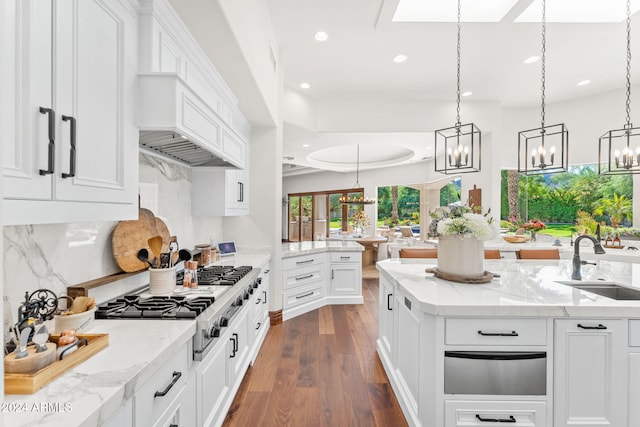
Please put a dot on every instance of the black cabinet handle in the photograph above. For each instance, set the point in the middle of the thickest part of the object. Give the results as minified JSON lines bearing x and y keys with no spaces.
{"x":332,"y":274}
{"x":511,"y":419}
{"x":345,"y":257}
{"x":176,"y":377}
{"x":240,"y":191}
{"x":52,"y":141}
{"x":233,"y":339}
{"x":259,"y":324}
{"x":264,"y":301}
{"x":389,"y":302}
{"x":498,"y":334}
{"x":174,"y":425}
{"x":72,"y":151}
{"x":235,"y":342}
{"x":258,"y":300}
{"x":304,"y":277}
{"x":305,"y":262}
{"x":600,"y":326}
{"x":305,"y":295}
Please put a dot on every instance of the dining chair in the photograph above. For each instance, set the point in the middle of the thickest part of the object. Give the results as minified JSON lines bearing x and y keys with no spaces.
{"x":538,"y":254}
{"x":492,"y":254}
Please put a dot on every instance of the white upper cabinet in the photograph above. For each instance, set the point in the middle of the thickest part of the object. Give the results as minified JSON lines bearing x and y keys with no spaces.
{"x":219,"y":192}
{"x":72,"y":155}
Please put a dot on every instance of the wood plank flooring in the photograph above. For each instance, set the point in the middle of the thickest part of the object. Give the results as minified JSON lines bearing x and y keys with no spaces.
{"x":320,"y":369}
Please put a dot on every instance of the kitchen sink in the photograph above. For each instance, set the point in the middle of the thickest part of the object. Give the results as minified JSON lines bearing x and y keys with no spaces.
{"x":606,"y":289}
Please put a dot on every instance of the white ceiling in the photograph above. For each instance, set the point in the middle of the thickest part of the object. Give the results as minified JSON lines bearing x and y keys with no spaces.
{"x":356,"y":59}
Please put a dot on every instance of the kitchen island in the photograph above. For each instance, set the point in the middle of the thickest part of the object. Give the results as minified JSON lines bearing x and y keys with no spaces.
{"x":117,"y":385}
{"x":587,"y":345}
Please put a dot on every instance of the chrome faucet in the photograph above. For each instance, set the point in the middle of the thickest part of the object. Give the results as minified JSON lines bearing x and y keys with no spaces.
{"x":597,"y":248}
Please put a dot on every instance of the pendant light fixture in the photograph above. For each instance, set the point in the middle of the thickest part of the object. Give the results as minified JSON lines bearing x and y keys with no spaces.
{"x":357,"y":200}
{"x":619,"y":149}
{"x":458,"y":148}
{"x":545,"y":149}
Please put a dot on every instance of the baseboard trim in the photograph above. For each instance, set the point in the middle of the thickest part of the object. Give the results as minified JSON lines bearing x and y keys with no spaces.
{"x":275,"y":317}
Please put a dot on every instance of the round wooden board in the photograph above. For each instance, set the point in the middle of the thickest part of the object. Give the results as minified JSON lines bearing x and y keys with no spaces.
{"x":129,"y":237}
{"x":163,"y":231}
{"x":485,"y":278}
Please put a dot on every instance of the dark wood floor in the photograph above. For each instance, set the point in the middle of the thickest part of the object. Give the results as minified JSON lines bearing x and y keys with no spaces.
{"x":320,"y":369}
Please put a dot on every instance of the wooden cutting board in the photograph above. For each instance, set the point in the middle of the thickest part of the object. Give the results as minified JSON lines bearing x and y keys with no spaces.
{"x":129,"y":237}
{"x":163,"y":231}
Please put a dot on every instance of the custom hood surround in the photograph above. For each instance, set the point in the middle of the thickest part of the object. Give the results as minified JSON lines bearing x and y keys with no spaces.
{"x":186,"y":111}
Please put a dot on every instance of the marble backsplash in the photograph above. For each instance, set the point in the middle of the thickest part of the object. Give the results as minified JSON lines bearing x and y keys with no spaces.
{"x":55,"y":256}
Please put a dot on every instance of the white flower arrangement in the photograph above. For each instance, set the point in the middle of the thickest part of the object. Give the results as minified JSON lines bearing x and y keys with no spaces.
{"x":468,"y":225}
{"x":360,"y":219}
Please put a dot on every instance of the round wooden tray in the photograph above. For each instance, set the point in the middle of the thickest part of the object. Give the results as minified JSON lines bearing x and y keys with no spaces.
{"x":516,"y":239}
{"x":485,"y":278}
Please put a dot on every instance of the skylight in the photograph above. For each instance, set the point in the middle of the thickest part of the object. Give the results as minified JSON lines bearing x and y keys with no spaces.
{"x":579,"y":11}
{"x":446,"y":10}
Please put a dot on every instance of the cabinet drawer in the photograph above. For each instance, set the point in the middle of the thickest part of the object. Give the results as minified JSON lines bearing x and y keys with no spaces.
{"x":482,"y":413}
{"x":304,"y":276}
{"x":302,"y":295}
{"x":634,"y":333}
{"x":354,"y":257}
{"x":506,"y":331}
{"x":157,"y":394}
{"x":303,"y":261}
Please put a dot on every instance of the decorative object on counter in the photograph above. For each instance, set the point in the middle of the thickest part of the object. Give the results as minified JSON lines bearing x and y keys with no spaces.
{"x":460,"y":243}
{"x":533,"y":226}
{"x":547,"y":146}
{"x":76,"y":321}
{"x":190,"y":279}
{"x":360,"y":220}
{"x":516,"y":238}
{"x":616,"y":155}
{"x":28,"y":383}
{"x":357,"y":188}
{"x":128,"y":237}
{"x":37,"y":306}
{"x":162,"y":280}
{"x":460,"y":144}
{"x":486,"y":277}
{"x":205,"y":254}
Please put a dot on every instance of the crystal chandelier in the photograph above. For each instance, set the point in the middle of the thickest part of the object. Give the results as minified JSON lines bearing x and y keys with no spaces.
{"x":459,"y":144}
{"x":357,"y":200}
{"x":544,"y":149}
{"x":616,"y":154}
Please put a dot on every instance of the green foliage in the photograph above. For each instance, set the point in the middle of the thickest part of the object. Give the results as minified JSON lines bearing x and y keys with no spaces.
{"x":408,"y":204}
{"x":585,"y":222}
{"x":450,"y":193}
{"x":616,"y":208}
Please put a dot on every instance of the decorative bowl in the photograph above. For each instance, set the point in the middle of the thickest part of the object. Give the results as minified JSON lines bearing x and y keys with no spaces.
{"x":516,"y":239}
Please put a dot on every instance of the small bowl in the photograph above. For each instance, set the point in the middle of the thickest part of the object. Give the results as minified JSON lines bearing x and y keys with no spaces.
{"x":74,"y":321}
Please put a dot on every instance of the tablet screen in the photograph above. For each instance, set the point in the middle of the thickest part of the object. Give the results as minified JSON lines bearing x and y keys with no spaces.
{"x":227,"y":248}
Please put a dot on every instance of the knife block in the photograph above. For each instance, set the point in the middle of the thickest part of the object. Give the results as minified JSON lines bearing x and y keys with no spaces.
{"x":33,"y":362}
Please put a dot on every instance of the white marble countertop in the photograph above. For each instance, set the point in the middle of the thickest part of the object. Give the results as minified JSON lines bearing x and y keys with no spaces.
{"x":524,"y":288}
{"x":302,"y":248}
{"x":94,"y":390}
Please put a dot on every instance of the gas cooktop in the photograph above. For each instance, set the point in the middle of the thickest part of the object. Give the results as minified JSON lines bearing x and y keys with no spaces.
{"x":154,"y":307}
{"x":223,"y":275}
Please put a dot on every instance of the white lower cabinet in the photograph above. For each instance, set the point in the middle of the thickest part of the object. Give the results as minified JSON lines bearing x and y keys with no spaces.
{"x":345,"y":281}
{"x":385,"y":317}
{"x":590,"y":368}
{"x":407,"y":355}
{"x":460,"y":413}
{"x":123,"y":416}
{"x":213,"y":385}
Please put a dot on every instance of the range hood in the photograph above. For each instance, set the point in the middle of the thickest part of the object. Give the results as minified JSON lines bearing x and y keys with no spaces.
{"x":184,"y":125}
{"x":178,"y":147}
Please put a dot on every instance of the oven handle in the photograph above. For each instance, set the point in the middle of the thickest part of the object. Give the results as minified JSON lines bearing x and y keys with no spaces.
{"x":496,"y":355}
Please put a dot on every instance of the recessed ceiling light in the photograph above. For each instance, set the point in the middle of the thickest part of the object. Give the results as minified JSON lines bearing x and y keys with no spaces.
{"x":400,"y":58}
{"x":584,"y":82}
{"x":531,"y":59}
{"x":305,"y":85}
{"x":468,"y":93}
{"x":321,"y":36}
{"x":305,"y":145}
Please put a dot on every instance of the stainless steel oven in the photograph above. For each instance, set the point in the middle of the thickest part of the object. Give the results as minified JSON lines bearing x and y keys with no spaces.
{"x":495,"y":373}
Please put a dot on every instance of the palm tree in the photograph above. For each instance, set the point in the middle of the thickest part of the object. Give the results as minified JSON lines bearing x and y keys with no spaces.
{"x":617,"y":208}
{"x":394,"y":205}
{"x":512,"y":193}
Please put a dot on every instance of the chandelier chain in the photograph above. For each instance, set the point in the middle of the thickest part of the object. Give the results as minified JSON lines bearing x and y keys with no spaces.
{"x":458,"y":71}
{"x":544,"y":56}
{"x":358,"y":166}
{"x":629,"y":63}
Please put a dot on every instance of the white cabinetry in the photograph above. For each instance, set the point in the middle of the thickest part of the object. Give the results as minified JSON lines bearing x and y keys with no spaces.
{"x":459,"y":413}
{"x":73,"y":154}
{"x":407,"y":354}
{"x":260,"y":312}
{"x":590,"y":365}
{"x":169,"y":396}
{"x":385,"y":319}
{"x":304,"y":283}
{"x":634,"y":373}
{"x":345,"y":286}
{"x":220,"y":192}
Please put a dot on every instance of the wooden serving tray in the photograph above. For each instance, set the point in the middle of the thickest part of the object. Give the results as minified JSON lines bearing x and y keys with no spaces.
{"x":30,"y":383}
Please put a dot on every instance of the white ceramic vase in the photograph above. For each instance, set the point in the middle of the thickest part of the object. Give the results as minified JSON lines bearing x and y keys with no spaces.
{"x":462,"y":256}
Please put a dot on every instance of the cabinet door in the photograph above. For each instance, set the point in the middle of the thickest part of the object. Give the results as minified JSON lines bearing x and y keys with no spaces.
{"x":634,"y":389}
{"x":385,"y":317}
{"x":407,"y":354}
{"x":237,"y":187}
{"x":213,"y":386}
{"x":26,"y":142}
{"x":238,"y":347}
{"x":590,"y":365}
{"x":94,"y":84}
{"x":346,"y":279}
